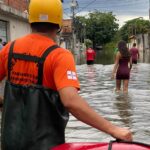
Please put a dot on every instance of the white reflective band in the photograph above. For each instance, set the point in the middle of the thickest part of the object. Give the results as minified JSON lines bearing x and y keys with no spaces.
{"x":43,"y":17}
{"x":71,"y":75}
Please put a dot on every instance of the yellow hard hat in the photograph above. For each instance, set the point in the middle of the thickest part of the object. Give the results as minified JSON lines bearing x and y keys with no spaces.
{"x":46,"y":11}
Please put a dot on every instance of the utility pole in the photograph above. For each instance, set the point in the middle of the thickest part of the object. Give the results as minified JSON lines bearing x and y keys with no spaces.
{"x":149,"y":33}
{"x":149,"y":9}
{"x":74,"y":6}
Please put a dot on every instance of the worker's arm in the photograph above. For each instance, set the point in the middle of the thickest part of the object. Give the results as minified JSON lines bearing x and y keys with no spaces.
{"x":3,"y":66}
{"x":79,"y":108}
{"x":3,"y":61}
{"x":116,"y":64}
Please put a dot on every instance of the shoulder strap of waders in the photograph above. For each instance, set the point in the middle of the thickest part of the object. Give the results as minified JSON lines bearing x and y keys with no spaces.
{"x":9,"y":58}
{"x":39,"y":60}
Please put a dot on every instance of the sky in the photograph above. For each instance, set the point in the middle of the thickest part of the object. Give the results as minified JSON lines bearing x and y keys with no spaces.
{"x":123,"y":9}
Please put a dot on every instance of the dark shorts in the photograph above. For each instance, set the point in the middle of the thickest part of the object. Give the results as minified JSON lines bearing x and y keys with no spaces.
{"x":90,"y":62}
{"x":134,"y":61}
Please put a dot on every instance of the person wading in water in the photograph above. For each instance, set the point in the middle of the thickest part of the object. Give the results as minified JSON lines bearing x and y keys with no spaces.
{"x":134,"y":54}
{"x":122,"y":67}
{"x":90,"y":56}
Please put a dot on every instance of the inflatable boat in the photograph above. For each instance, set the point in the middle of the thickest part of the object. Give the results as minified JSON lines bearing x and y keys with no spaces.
{"x":113,"y":145}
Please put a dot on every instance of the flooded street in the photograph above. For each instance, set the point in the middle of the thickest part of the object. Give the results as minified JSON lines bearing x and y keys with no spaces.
{"x":131,"y":110}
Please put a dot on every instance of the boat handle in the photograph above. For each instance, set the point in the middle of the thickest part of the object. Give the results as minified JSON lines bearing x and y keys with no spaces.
{"x":127,"y":142}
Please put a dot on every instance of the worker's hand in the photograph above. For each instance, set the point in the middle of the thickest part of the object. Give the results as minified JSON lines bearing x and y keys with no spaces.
{"x":122,"y":134}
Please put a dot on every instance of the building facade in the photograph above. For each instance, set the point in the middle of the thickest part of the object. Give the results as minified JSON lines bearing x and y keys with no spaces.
{"x":66,"y":34}
{"x":143,"y":44}
{"x":13,"y":19}
{"x":70,"y":41}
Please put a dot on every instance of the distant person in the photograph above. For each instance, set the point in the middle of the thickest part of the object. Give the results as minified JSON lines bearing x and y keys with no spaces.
{"x":115,"y":52}
{"x":1,"y":45}
{"x":4,"y":43}
{"x":122,"y":67}
{"x":90,"y":56}
{"x":134,"y":54}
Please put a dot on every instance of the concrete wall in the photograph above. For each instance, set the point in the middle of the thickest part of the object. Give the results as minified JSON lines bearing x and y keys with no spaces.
{"x":144,"y":53}
{"x":20,"y":5}
{"x":144,"y":48}
{"x":15,"y":27}
{"x":15,"y":14}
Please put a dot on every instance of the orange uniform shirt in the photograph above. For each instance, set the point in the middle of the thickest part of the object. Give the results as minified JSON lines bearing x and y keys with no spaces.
{"x":59,"y":67}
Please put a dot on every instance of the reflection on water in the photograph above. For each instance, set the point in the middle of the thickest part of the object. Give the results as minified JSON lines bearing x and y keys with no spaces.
{"x":106,"y":57}
{"x":127,"y":110}
{"x":123,"y":105}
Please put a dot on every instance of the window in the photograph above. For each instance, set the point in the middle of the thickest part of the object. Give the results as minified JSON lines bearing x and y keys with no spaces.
{"x":3,"y":30}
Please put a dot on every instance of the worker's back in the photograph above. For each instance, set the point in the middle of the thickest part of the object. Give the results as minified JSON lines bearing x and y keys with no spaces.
{"x":33,"y":115}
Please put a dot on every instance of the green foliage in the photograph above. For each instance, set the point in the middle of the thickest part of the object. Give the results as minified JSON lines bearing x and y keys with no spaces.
{"x":111,"y":46}
{"x":80,"y":28}
{"x":100,"y":27}
{"x":88,"y":43}
{"x":108,"y":54}
{"x":134,"y":27}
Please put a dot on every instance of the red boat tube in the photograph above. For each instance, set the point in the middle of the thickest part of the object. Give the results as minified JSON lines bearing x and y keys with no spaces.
{"x":104,"y":146}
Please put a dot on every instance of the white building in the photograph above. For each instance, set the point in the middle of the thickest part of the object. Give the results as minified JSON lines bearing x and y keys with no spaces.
{"x":13,"y":20}
{"x":143,"y":44}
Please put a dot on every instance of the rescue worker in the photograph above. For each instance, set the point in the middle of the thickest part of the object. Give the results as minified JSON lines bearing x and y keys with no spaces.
{"x":42,"y":86}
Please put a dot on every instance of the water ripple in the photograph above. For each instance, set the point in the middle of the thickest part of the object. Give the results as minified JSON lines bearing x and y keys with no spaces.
{"x":130,"y":110}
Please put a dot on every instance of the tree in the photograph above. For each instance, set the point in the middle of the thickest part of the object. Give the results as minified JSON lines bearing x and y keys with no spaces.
{"x":80,"y":27}
{"x":88,"y":43}
{"x":134,"y":27}
{"x":100,"y":27}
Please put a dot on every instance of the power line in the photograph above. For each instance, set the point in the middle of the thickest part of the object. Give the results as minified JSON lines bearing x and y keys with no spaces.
{"x":113,"y":5}
{"x":66,"y":14}
{"x":125,"y":7}
{"x":86,"y":6}
{"x":117,"y":5}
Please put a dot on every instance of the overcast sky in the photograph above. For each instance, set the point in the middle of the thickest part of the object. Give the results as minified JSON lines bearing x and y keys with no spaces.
{"x":123,"y":9}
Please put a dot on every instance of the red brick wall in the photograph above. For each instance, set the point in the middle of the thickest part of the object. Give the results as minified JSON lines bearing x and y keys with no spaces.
{"x":20,"y":5}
